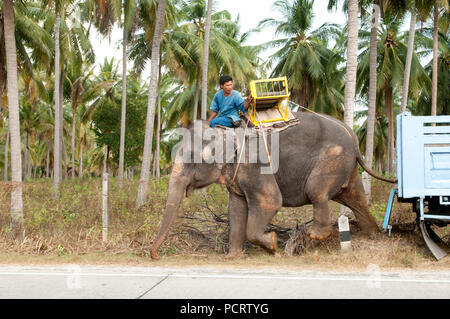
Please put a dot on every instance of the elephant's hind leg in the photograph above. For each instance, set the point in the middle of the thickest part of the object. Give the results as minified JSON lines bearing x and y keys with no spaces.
{"x":353,"y":196}
{"x":320,"y":186}
{"x":321,"y":226}
{"x":237,"y":215}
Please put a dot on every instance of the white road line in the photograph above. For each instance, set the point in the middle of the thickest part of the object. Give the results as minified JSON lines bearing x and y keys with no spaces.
{"x":371,"y":278}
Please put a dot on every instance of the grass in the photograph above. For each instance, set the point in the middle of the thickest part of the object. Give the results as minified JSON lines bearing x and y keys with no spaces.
{"x":69,"y":230}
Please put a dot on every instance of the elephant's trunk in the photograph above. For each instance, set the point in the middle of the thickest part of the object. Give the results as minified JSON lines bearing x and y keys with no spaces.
{"x":177,"y":187}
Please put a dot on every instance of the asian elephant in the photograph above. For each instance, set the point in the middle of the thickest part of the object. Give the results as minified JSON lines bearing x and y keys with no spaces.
{"x":318,"y":161}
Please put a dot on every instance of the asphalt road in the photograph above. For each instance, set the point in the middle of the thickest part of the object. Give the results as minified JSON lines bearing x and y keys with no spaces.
{"x":69,"y":282}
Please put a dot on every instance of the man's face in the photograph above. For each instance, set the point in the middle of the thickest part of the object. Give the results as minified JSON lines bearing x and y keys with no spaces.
{"x":227,"y":87}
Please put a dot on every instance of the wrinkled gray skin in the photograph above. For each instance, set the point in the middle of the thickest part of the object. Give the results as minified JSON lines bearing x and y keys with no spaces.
{"x":318,"y":162}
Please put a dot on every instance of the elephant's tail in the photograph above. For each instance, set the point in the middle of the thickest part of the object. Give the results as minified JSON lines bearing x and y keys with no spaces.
{"x":361,"y":161}
{"x":364,"y":166}
{"x":372,"y":173}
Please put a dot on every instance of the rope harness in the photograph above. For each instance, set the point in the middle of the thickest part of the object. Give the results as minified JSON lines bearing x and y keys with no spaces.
{"x":261,"y":128}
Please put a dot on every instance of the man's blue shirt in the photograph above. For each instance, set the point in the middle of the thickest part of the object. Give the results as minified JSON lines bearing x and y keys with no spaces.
{"x":228,"y":106}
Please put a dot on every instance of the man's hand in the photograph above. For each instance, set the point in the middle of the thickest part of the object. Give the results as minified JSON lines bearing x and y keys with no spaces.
{"x":213,"y":115}
{"x":247,"y":102}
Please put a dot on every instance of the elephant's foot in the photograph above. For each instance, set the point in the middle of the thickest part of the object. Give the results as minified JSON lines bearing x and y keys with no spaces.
{"x":368,"y":229}
{"x":234,"y":255}
{"x":319,"y":232}
{"x":271,"y":248}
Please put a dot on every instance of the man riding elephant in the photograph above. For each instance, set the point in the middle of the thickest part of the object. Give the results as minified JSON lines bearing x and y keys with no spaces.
{"x":227,"y":103}
{"x":318,"y":161}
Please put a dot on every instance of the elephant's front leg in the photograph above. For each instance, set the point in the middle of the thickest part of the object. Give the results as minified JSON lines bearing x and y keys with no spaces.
{"x":237,"y":215}
{"x":260,"y":213}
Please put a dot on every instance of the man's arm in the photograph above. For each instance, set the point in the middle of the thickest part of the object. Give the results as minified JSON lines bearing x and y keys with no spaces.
{"x":213,"y":115}
{"x":243,"y":105}
{"x":215,"y":108}
{"x":247,"y":102}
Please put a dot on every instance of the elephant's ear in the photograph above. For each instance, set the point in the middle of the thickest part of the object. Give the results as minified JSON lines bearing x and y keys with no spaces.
{"x":219,"y":147}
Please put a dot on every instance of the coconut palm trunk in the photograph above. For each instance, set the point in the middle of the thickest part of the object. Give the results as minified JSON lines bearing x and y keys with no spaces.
{"x":367,"y":180}
{"x":25,"y":156}
{"x":80,"y":173}
{"x":73,"y":142}
{"x":57,"y":135}
{"x":158,"y":142}
{"x":61,"y":123}
{"x":390,"y":115}
{"x":66,"y":176}
{"x":124,"y":107}
{"x":156,"y":170}
{"x":146,"y":158}
{"x":5,"y":173}
{"x":16,"y":225}
{"x":352,"y":62}
{"x":435,"y":60}
{"x":105,"y":160}
{"x":47,"y":163}
{"x":409,"y":54}
{"x":196,"y":94}
{"x":205,"y":60}
{"x":76,"y":95}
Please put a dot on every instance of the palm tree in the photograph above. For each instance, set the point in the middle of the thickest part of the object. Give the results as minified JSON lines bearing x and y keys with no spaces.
{"x":5,"y":173}
{"x":101,"y":92}
{"x":75,"y":80}
{"x":33,"y":46}
{"x":128,"y":10}
{"x":33,"y":43}
{"x":367,"y":181}
{"x":303,"y":55}
{"x":143,"y":183}
{"x":127,"y":19}
{"x":352,"y":62}
{"x":156,"y":168}
{"x":30,"y":114}
{"x":182,"y":45}
{"x":102,"y":89}
{"x":377,"y":7}
{"x":205,"y":60}
{"x":380,"y":140}
{"x":71,"y":42}
{"x":17,"y":227}
{"x":412,"y":28}
{"x":422,"y":9}
{"x":425,"y":43}
{"x":435,"y":58}
{"x":391,"y":53}
{"x":56,"y":98}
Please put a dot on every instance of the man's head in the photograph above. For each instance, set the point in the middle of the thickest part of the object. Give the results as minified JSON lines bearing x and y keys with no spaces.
{"x":226,"y":84}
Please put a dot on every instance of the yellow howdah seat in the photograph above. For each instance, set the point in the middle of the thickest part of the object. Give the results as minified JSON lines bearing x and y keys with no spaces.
{"x":270,"y":101}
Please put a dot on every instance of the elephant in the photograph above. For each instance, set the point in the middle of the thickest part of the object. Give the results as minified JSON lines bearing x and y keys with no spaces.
{"x":317,"y":162}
